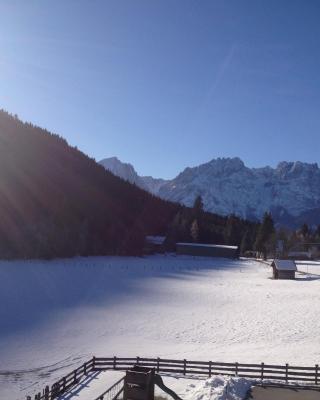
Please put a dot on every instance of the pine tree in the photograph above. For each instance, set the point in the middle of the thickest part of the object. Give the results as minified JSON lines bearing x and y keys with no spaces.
{"x":246,"y":243}
{"x":317,"y":233}
{"x":265,"y":233}
{"x":198,"y":206}
{"x":194,"y":231}
{"x":232,"y":231}
{"x":305,"y":231}
{"x":178,"y":230}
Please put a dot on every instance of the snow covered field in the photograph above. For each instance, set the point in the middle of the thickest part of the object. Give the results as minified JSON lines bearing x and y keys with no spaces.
{"x":309,"y":267}
{"x":56,"y":314}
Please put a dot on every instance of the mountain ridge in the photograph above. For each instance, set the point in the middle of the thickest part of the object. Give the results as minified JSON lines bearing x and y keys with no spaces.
{"x":291,"y":190}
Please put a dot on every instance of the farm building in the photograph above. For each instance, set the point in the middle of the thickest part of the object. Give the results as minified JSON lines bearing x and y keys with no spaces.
{"x":305,"y":251}
{"x":299,"y":255}
{"x":207,"y":250}
{"x":154,"y":244}
{"x":284,"y":269}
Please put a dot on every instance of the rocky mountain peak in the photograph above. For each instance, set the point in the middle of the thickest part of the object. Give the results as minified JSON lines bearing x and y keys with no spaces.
{"x":292,"y":189}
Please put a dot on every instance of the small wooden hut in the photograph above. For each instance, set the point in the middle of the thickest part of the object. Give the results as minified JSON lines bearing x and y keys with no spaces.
{"x":154,"y":244}
{"x":283,"y":269}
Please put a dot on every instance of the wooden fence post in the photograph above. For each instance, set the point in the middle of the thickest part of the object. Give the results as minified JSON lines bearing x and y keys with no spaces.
{"x":114,"y":362}
{"x":210,"y":364}
{"x":158,"y":364}
{"x":93,"y":362}
{"x":46,"y":393}
{"x":316,"y":374}
{"x":75,"y":376}
{"x":85,"y":368}
{"x":184,"y":366}
{"x":55,"y":390}
{"x":237,"y":366}
{"x":262,"y":370}
{"x":138,"y":360}
{"x":287,"y":368}
{"x":64,"y":383}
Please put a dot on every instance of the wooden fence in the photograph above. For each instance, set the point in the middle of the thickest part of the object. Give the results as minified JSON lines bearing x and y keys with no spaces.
{"x":113,"y":392}
{"x":65,"y":383}
{"x":286,"y":373}
{"x":186,"y":367}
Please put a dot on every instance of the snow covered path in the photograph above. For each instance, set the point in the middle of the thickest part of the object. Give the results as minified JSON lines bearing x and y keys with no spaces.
{"x":57,"y":314}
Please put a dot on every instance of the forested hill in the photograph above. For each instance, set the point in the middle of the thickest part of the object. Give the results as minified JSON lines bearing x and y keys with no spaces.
{"x":57,"y":202}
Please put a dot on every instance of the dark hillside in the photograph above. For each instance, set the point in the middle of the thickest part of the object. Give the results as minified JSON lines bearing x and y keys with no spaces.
{"x":55,"y":201}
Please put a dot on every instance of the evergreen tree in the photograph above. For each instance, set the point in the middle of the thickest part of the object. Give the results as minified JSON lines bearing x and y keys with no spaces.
{"x":233,"y":231}
{"x":178,"y":230}
{"x":265,"y":233}
{"x":246,"y":243}
{"x":317,"y":234}
{"x":304,"y":231}
{"x":198,"y":206}
{"x":194,"y":231}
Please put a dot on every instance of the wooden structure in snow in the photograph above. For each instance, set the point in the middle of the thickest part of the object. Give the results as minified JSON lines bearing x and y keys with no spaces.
{"x":139,"y":384}
{"x":207,"y":250}
{"x":154,"y":244}
{"x":283,"y":269}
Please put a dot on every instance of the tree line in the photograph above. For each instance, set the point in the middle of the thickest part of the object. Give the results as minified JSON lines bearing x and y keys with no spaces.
{"x":55,"y":201}
{"x":259,"y":239}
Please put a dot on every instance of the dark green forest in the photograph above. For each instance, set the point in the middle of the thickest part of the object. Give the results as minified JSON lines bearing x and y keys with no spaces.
{"x":56,"y":201}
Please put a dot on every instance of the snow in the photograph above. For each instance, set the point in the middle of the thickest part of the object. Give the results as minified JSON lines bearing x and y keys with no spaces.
{"x":311,"y":268}
{"x":219,"y":388}
{"x":220,"y":246}
{"x":194,"y":388}
{"x":155,"y":239}
{"x":290,"y":190}
{"x":57,"y":314}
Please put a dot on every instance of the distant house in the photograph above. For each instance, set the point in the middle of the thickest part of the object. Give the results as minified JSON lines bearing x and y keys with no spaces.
{"x":207,"y":250}
{"x":154,"y":244}
{"x":299,"y":255}
{"x":305,"y":251}
{"x":284,"y":269}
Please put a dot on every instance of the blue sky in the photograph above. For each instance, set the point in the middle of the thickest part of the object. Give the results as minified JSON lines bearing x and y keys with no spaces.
{"x":167,"y":84}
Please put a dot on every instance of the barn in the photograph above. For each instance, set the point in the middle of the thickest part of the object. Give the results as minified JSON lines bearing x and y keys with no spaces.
{"x":284,"y":269}
{"x":207,"y":250}
{"x":154,"y":244}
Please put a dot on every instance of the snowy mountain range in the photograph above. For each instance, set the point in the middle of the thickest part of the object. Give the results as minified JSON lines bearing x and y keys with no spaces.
{"x":126,"y":171}
{"x":291,"y":191}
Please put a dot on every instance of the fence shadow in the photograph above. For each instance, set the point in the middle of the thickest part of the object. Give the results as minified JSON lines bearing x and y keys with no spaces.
{"x":84,"y":383}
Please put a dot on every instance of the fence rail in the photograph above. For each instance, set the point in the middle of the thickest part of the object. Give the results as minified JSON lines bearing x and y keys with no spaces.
{"x":261,"y":371}
{"x":65,"y":383}
{"x":112,"y":392}
{"x":286,"y":373}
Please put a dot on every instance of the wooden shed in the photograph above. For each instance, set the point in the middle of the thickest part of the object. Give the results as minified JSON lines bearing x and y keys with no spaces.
{"x":207,"y":250}
{"x":154,"y":244}
{"x":284,"y":269}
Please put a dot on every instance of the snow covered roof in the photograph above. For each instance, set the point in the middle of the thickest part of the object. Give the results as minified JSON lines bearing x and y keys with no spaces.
{"x":155,"y":239}
{"x":285,"y":265}
{"x":221,"y":246}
